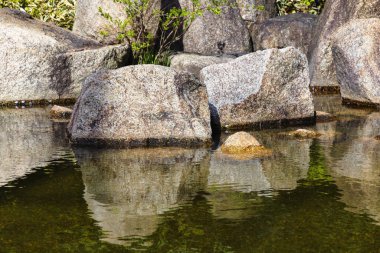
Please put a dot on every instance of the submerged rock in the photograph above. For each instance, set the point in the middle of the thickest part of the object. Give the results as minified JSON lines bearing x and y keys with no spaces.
{"x":262,"y":87}
{"x":304,"y":133}
{"x":43,"y":62}
{"x":322,"y":117}
{"x":194,"y":63}
{"x":291,"y":30}
{"x":60,"y":112}
{"x":336,"y":13}
{"x":356,"y":51}
{"x":142,"y":105}
{"x":242,"y":143}
{"x":212,"y":34}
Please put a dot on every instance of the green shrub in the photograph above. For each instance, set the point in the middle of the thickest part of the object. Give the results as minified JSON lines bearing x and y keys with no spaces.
{"x":60,"y":12}
{"x":306,"y":6}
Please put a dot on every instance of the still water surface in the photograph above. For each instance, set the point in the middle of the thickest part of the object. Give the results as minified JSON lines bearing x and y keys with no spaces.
{"x":315,"y":195}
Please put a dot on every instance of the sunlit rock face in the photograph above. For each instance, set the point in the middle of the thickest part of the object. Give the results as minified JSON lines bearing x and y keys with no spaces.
{"x":40,"y":61}
{"x":90,"y":23}
{"x":212,"y":34}
{"x":356,"y":52}
{"x":141,"y":105}
{"x":29,"y":139}
{"x":126,"y":190}
{"x":251,"y":11}
{"x":265,"y":86}
{"x":284,"y":31}
{"x":335,"y":14}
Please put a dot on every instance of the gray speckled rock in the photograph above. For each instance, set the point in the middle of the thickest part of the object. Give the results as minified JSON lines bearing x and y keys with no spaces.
{"x":142,"y":105}
{"x":213,"y":34}
{"x":265,"y":86}
{"x":194,"y":63}
{"x":356,"y":51}
{"x":249,"y":10}
{"x":43,"y":62}
{"x":335,"y":14}
{"x":285,"y":31}
{"x":89,"y":22}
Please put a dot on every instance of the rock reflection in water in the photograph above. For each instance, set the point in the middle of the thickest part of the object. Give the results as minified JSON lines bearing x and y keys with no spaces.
{"x":28,"y":139}
{"x":357,"y":170}
{"x":126,"y":190}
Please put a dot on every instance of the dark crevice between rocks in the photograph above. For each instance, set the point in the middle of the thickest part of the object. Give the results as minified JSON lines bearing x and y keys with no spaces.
{"x":325,"y":90}
{"x":216,"y":127}
{"x":166,"y":5}
{"x":359,"y":104}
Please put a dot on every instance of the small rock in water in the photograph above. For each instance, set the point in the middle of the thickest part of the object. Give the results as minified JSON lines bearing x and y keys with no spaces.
{"x":304,"y":133}
{"x":242,"y":143}
{"x":60,"y":112}
{"x":323,"y":117}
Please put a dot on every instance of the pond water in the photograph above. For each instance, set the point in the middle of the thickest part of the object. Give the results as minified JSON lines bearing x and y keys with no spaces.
{"x":315,"y":195}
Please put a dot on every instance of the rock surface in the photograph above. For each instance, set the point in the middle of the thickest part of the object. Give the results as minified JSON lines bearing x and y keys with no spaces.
{"x":60,"y":112}
{"x":304,"y":133}
{"x":322,"y":117}
{"x":335,"y":14}
{"x":291,"y":30}
{"x":245,"y":144}
{"x":225,"y":33}
{"x":265,"y":86}
{"x":43,"y":62}
{"x":251,"y":11}
{"x":141,"y":105}
{"x":356,"y":51}
{"x":90,"y":23}
{"x":194,"y":63}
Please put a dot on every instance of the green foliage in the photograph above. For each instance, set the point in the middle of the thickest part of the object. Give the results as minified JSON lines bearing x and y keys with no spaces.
{"x":60,"y":12}
{"x":150,"y":46}
{"x":306,"y":6}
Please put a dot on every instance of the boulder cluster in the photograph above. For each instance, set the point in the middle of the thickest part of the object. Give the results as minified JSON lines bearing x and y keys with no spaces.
{"x":243,"y":68}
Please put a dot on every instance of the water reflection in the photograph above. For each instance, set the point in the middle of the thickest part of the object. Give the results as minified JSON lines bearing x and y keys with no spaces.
{"x":126,"y":190}
{"x":28,"y":139}
{"x":357,"y":169}
{"x":322,"y":195}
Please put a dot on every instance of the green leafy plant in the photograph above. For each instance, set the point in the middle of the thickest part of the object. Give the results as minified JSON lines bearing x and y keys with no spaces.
{"x":60,"y":12}
{"x":306,"y":6}
{"x":153,"y":46}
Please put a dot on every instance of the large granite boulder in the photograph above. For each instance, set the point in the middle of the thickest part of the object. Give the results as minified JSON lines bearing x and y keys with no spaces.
{"x":356,"y":51}
{"x":257,"y":10}
{"x":43,"y":62}
{"x":212,"y":34}
{"x":335,"y":14}
{"x":194,"y":63}
{"x":141,"y":105}
{"x":291,"y":30}
{"x":262,"y":87}
{"x":90,"y":23}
